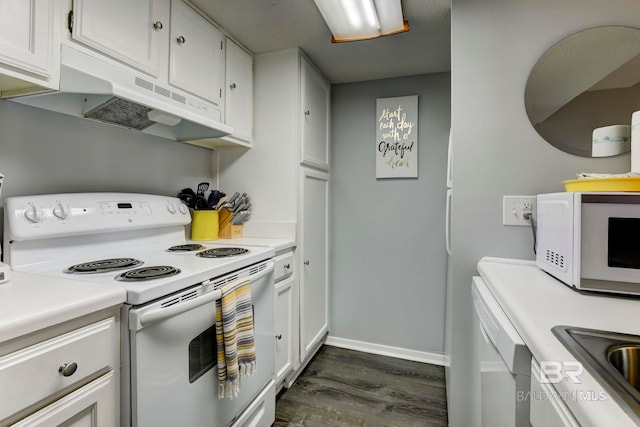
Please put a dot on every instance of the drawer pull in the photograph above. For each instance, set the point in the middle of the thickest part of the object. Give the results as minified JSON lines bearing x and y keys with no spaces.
{"x":68,"y":369}
{"x":279,"y":336}
{"x":287,"y":266}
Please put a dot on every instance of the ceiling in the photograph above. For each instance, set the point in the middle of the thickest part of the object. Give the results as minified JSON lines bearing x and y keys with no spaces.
{"x":271,"y":25}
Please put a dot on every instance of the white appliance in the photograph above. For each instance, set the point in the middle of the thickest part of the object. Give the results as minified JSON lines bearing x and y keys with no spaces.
{"x":503,"y":361}
{"x":590,"y":240}
{"x":137,"y":241}
{"x":101,"y":90}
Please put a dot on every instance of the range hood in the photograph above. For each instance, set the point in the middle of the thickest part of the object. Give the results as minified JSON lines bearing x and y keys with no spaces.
{"x":99,"y":90}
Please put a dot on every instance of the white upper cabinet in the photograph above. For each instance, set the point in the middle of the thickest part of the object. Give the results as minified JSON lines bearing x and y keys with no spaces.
{"x":168,"y":40}
{"x":133,"y":32}
{"x":239,"y":91}
{"x":29,"y":45}
{"x":314,"y":118}
{"x":196,"y":54}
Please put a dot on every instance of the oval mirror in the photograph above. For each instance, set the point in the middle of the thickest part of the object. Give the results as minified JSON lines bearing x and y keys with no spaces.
{"x":584,"y":83}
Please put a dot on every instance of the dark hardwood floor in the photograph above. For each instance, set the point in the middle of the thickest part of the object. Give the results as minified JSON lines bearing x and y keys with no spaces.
{"x":344,"y":388}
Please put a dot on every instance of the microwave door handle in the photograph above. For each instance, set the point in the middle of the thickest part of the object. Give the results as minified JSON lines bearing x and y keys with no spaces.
{"x":152,"y":316}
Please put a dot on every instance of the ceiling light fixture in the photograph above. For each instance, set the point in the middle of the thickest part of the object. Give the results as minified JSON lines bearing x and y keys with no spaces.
{"x":352,"y":20}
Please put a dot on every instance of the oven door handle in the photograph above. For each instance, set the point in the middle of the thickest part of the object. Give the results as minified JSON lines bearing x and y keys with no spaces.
{"x":141,"y":319}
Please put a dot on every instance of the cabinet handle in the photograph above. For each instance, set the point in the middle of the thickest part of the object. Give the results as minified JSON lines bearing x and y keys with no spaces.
{"x":68,"y":369}
{"x":306,"y":262}
{"x":181,"y":40}
{"x":307,"y":113}
{"x":157,"y":25}
{"x":279,"y":336}
{"x":232,"y":85}
{"x":287,"y":266}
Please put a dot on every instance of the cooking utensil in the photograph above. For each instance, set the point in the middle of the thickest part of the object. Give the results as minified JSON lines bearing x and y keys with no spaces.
{"x":214,"y":198}
{"x":233,"y":198}
{"x":200,"y":203}
{"x":188,"y":199}
{"x":188,"y":191}
{"x":202,"y":188}
{"x":223,"y":204}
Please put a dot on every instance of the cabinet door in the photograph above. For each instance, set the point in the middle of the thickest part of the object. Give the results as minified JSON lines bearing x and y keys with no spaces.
{"x":196,"y":54}
{"x":133,"y":32}
{"x":26,"y":28}
{"x":315,"y":117}
{"x":238,"y":103}
{"x":314,"y":286}
{"x":284,"y":327}
{"x":92,"y":405}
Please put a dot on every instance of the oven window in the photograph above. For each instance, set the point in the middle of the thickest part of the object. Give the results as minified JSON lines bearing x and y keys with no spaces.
{"x":624,"y":242}
{"x":202,"y":354}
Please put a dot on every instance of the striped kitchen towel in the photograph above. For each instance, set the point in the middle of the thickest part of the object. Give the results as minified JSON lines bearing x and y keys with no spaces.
{"x":234,"y":337}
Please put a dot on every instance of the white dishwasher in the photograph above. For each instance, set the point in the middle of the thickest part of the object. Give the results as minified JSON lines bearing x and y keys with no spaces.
{"x":503,"y":362}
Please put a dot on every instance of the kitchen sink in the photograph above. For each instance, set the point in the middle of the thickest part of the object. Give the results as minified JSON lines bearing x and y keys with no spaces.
{"x":612,"y":358}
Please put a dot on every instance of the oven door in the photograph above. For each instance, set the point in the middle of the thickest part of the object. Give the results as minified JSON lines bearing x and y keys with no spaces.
{"x":609,"y":250}
{"x":173,"y":357}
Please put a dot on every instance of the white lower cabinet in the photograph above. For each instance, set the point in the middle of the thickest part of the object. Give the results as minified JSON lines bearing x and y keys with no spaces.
{"x":92,"y":405}
{"x":68,"y":379}
{"x":546,"y":408}
{"x":286,"y":309}
{"x":284,"y":328}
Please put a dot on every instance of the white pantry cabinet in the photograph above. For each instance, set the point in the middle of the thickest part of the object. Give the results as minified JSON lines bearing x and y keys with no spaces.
{"x":287,"y":187}
{"x":67,"y":376}
{"x":29,"y":46}
{"x":314,"y":246}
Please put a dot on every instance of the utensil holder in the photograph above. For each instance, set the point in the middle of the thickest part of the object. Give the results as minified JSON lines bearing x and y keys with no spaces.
{"x":204,"y":225}
{"x":228,"y":230}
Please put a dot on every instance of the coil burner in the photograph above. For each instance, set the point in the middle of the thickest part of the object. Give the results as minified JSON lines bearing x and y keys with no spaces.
{"x":103,"y":265}
{"x":148,"y":273}
{"x":191,"y":247}
{"x":222,"y":252}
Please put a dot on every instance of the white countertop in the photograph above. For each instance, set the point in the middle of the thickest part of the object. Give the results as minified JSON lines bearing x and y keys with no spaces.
{"x":535,"y":302}
{"x":30,"y":302}
{"x":278,"y":244}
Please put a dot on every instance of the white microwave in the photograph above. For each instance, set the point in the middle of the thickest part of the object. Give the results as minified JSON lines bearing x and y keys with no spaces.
{"x":590,"y":241}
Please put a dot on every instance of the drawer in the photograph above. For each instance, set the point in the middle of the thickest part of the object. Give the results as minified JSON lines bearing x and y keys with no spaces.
{"x":33,"y":374}
{"x":284,"y":266}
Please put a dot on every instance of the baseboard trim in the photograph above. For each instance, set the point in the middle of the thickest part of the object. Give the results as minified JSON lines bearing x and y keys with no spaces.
{"x":385,"y":350}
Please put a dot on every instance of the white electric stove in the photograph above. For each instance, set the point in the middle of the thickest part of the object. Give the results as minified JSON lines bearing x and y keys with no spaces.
{"x":138,"y":242}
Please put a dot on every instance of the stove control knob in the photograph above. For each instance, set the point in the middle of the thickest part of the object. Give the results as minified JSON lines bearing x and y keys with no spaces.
{"x":183,"y":208}
{"x":171,"y":208}
{"x":33,"y":214}
{"x":61,"y":211}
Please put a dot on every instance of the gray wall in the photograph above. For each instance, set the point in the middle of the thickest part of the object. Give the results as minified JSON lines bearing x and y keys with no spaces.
{"x":388,"y":261}
{"x":495,"y":43}
{"x":45,"y":152}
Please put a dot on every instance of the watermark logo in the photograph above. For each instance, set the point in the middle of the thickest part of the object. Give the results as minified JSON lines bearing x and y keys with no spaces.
{"x":553,"y":372}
